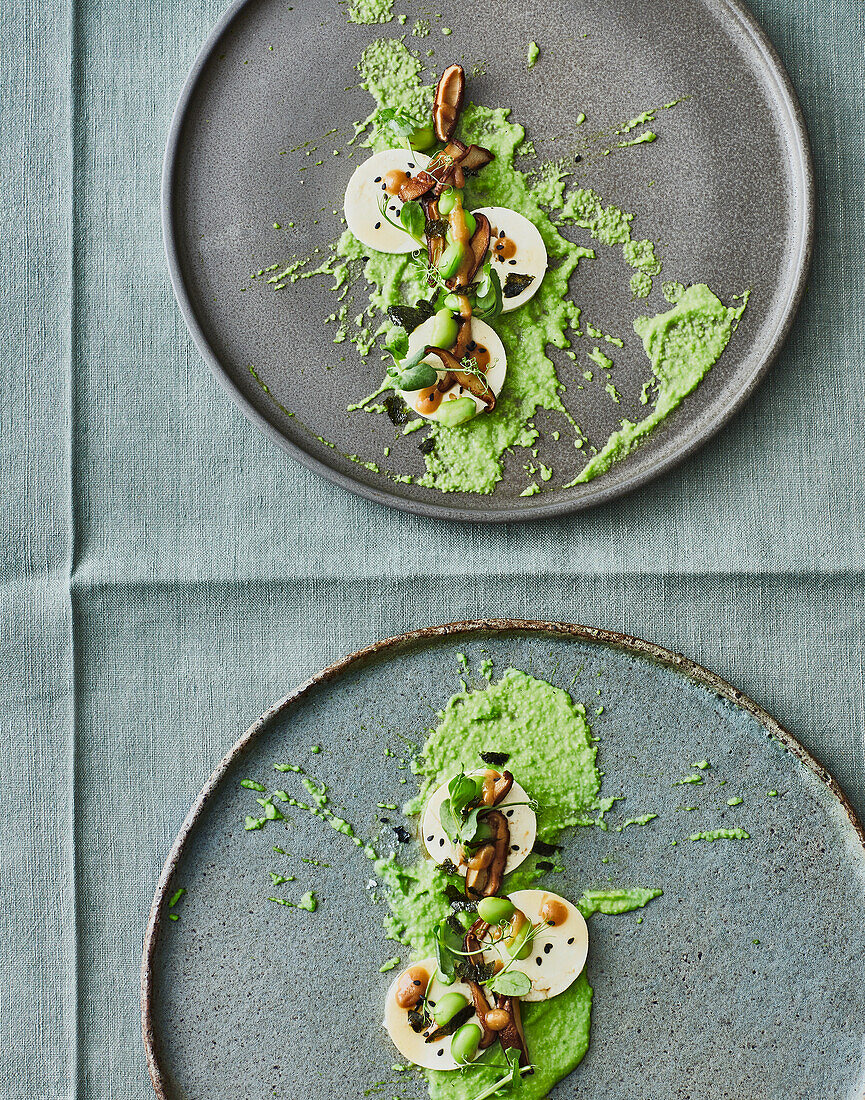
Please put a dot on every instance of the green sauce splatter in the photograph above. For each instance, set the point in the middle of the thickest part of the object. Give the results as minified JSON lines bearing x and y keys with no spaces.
{"x":532,"y":54}
{"x":470,"y":458}
{"x":721,"y":834}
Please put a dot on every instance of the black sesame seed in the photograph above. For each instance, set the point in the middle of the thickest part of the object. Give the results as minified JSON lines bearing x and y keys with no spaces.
{"x":415,"y":982}
{"x":378,"y":225}
{"x":440,"y":1051}
{"x":441,"y":842}
{"x":539,"y":960}
{"x":578,"y":158}
{"x":471,"y":345}
{"x":510,"y":813}
{"x":547,"y":948}
{"x":513,"y":263}
{"x":432,"y":1004}
{"x":571,"y":940}
{"x":501,"y":233}
{"x":377,"y":179}
{"x":431,"y":838}
{"x":384,"y":187}
{"x":411,"y":166}
{"x":515,"y":847}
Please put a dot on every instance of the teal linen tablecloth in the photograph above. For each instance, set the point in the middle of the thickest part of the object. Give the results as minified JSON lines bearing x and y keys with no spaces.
{"x":168,"y":573}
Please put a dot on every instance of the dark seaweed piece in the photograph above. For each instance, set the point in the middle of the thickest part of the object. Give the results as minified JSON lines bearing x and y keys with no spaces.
{"x":544,"y":865}
{"x":459,"y":902}
{"x":495,"y":759}
{"x":470,"y":972}
{"x":516,"y":284}
{"x":455,"y":924}
{"x":402,"y":834}
{"x":407,"y":317}
{"x":462,"y":1017}
{"x":395,"y":408}
{"x":426,"y":446}
{"x":437,"y":227}
{"x":416,"y":1020}
{"x":425,"y":308}
{"x":449,"y":867}
{"x":541,"y":848}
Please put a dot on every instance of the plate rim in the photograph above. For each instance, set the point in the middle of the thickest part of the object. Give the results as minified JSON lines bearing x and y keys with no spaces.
{"x":596,"y":493}
{"x":471,"y":627}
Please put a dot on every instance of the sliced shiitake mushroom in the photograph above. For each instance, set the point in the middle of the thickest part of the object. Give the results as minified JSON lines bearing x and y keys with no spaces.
{"x":448,"y":101}
{"x":502,"y":787}
{"x":416,"y":186}
{"x":512,"y":1037}
{"x":477,"y":387}
{"x":475,"y":158}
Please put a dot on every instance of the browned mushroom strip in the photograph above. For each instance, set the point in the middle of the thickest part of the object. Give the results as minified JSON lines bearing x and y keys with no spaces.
{"x":475,"y":956}
{"x":479,"y":246}
{"x":416,"y":186}
{"x":512,"y":1036}
{"x":475,"y":158}
{"x":502,"y":787}
{"x":477,"y":387}
{"x":448,"y":101}
{"x":486,"y":881}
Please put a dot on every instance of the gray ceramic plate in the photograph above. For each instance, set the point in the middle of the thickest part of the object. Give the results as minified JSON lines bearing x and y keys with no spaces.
{"x":744,"y":980}
{"x":731,"y":203}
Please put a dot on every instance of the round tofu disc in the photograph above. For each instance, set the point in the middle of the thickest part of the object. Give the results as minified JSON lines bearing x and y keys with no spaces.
{"x":364,"y":192}
{"x":531,"y":253}
{"x":522,"y":825}
{"x":482,"y":334}
{"x":409,"y":1043}
{"x":558,"y":954}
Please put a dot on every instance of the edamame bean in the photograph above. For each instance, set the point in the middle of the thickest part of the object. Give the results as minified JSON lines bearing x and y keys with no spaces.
{"x":464,"y":1044}
{"x":418,"y":377}
{"x":443,"y":334}
{"x":447,"y":1007}
{"x":452,"y":413}
{"x":452,"y":301}
{"x":422,"y":138}
{"x":448,"y":200}
{"x":471,"y":223}
{"x":521,"y":945}
{"x":451,"y":259}
{"x":495,"y":910}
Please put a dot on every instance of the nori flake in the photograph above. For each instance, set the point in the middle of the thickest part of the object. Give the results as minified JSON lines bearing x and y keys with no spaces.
{"x":459,"y":902}
{"x":437,"y":227}
{"x":449,"y":867}
{"x":541,"y":848}
{"x":495,"y":759}
{"x":426,"y":446}
{"x":516,"y":284}
{"x":453,"y":1025}
{"x":395,"y":409}
{"x":544,"y":865}
{"x":416,"y":1020}
{"x":402,"y":834}
{"x":467,"y":971}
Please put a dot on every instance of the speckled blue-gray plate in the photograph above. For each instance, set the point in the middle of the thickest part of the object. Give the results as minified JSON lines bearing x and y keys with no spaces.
{"x":744,"y":980}
{"x":726,"y":190}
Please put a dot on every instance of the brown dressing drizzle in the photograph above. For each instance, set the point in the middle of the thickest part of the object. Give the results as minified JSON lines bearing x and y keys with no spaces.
{"x":503,"y":248}
{"x":394,"y":180}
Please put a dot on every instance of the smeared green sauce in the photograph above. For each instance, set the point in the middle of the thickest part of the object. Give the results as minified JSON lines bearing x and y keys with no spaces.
{"x":553,"y":756}
{"x":469,"y":458}
{"x":721,"y":834}
{"x":682,"y":344}
{"x":371,"y":11}
{"x":533,"y":52}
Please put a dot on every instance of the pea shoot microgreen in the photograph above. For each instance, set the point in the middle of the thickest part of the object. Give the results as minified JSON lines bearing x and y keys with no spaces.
{"x":401,"y":124}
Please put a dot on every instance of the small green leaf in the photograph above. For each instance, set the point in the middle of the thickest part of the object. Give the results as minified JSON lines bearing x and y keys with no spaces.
{"x":413,"y":220}
{"x":510,"y":983}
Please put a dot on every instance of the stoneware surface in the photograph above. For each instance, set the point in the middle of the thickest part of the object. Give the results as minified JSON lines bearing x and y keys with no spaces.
{"x":731,"y":206}
{"x":743,"y":980}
